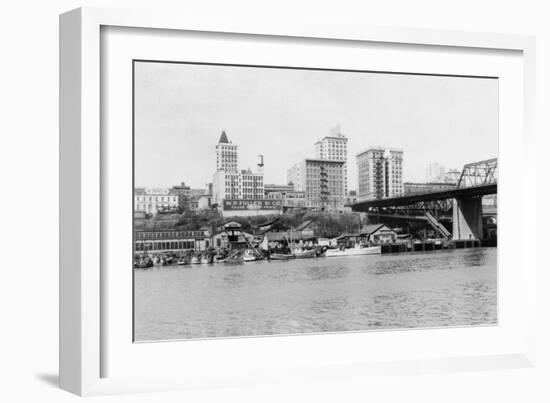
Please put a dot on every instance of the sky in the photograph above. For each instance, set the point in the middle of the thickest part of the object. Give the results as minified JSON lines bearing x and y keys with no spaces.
{"x":181,"y":110}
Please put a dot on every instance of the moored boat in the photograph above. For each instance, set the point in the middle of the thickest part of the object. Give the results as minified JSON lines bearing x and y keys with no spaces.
{"x":144,"y":262}
{"x":355,"y":251}
{"x":249,"y":256}
{"x":182,"y":261}
{"x":205,"y":259}
{"x":304,"y":253}
{"x":195,"y":259}
{"x":281,"y":256}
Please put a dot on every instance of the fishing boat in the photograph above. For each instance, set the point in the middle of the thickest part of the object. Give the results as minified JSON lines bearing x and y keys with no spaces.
{"x":300,"y":253}
{"x":281,"y":256}
{"x":357,"y":250}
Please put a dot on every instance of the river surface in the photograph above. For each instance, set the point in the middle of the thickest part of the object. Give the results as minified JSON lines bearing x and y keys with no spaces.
{"x":422,"y":289}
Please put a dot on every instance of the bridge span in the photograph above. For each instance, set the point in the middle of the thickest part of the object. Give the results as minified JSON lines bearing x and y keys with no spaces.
{"x":462,"y":205}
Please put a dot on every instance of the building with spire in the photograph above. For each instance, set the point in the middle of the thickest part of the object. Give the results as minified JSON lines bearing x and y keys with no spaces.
{"x":226,"y":155}
{"x":239,"y":191}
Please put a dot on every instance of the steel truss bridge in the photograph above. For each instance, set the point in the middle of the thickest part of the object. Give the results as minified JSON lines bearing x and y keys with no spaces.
{"x":477,"y":179}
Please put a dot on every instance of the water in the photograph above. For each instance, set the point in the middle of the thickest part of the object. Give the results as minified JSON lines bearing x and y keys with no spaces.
{"x":423,"y":289}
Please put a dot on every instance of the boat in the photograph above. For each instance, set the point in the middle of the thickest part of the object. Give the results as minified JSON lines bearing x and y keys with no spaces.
{"x":281,"y":256}
{"x":195,"y":259}
{"x":219,"y":259}
{"x":205,"y":259}
{"x":300,"y":253}
{"x":357,"y":250}
{"x":182,"y":261}
{"x":249,"y":256}
{"x":144,"y":262}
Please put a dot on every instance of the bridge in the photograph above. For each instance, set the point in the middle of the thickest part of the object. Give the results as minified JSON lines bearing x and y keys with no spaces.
{"x":460,"y":205}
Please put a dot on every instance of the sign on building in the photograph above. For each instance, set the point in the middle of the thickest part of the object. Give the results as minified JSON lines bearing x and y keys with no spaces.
{"x":252,"y":204}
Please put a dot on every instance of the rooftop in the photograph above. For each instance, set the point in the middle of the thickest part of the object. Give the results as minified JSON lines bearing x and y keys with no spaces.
{"x":379,"y":148}
{"x":223,"y":138}
{"x":325,"y":161}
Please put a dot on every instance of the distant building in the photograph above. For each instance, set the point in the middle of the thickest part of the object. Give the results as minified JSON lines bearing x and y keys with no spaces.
{"x":379,"y":173}
{"x":291,"y":198}
{"x":183,"y":192}
{"x":237,"y":185}
{"x":204,"y":201}
{"x":170,"y":240}
{"x":322,"y":181}
{"x":226,"y":155}
{"x":378,"y":234}
{"x":410,"y":188}
{"x":153,"y":201}
{"x":334,"y":148}
{"x":451,"y":176}
{"x":434,"y":172}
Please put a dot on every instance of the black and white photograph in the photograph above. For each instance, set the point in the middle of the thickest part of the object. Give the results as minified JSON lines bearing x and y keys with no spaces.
{"x":274,"y":200}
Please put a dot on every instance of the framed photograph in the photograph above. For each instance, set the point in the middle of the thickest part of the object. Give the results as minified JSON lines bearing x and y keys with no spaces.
{"x":250,"y":202}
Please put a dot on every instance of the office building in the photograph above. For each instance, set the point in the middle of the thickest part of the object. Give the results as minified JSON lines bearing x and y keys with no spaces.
{"x":226,"y":155}
{"x":379,"y":173}
{"x":322,"y":181}
{"x":334,"y":148}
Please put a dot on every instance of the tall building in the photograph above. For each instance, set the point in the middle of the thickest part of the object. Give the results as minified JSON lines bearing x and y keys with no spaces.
{"x":334,"y":148}
{"x":379,"y":173}
{"x":321,"y":180}
{"x":226,"y":155}
{"x":228,"y":182}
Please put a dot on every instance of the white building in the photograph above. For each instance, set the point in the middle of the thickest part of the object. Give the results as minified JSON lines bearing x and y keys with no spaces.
{"x":232,"y":188}
{"x":226,"y":155}
{"x":152,"y":201}
{"x":379,"y":173}
{"x":244,"y":184}
{"x":334,"y":148}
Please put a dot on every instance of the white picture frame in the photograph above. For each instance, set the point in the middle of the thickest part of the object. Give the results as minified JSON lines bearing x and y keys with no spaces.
{"x":82,"y":296}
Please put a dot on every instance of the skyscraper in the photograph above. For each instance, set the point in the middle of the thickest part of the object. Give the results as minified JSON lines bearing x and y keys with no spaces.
{"x":321,"y":180}
{"x":226,"y":155}
{"x":379,"y":173}
{"x":334,"y":148}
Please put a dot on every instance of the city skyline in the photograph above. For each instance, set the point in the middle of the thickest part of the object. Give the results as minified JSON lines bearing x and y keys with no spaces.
{"x":182,"y":110}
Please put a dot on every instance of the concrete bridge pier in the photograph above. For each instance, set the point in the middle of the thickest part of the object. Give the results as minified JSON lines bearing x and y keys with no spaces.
{"x":467,"y":218}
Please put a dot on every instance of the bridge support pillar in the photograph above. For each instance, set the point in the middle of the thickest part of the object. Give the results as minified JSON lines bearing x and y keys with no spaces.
{"x":467,"y":218}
